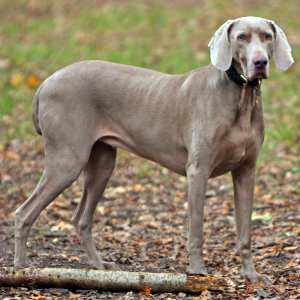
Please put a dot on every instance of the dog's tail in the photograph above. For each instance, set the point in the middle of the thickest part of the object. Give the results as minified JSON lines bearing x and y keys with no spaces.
{"x":36,"y":111}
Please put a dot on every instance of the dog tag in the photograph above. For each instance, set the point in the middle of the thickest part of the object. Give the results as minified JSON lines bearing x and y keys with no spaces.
{"x":257,"y":102}
{"x":257,"y":93}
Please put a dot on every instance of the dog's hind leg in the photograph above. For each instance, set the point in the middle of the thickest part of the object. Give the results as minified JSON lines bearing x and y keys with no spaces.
{"x":62,"y":167}
{"x":95,"y":177}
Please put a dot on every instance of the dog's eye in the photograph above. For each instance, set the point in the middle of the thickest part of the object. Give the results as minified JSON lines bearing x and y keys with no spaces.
{"x":241,"y":37}
{"x":268,"y":37}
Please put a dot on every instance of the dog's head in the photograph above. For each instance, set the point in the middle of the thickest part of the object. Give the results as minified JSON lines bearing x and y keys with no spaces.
{"x":251,"y":42}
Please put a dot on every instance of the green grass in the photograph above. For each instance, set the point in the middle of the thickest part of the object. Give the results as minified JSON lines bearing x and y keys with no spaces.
{"x":39,"y":37}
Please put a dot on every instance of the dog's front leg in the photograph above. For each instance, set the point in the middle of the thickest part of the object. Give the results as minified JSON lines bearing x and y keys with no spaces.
{"x":243,"y":182}
{"x":197,"y":181}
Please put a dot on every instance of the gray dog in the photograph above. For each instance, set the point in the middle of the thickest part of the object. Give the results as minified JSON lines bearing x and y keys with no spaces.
{"x":201,"y":125}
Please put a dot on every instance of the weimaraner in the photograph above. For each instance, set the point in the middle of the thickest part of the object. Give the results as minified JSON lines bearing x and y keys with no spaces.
{"x":201,"y":125}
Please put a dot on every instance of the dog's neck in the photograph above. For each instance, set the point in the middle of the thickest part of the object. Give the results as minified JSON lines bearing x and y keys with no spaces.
{"x":246,"y":104}
{"x":250,"y":88}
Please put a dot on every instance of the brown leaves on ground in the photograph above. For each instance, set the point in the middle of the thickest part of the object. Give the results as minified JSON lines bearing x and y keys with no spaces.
{"x":146,"y":291}
{"x":74,"y":296}
{"x":37,"y":297}
{"x":141,"y":224}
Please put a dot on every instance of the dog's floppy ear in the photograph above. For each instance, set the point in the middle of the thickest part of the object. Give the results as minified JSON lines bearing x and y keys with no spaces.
{"x":282,"y":51}
{"x":220,"y":48}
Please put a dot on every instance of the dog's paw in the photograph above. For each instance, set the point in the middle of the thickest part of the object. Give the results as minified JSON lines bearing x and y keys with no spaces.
{"x":23,"y":265}
{"x":258,"y":279}
{"x":111,"y":266}
{"x":201,"y":271}
{"x":197,"y":266}
{"x":191,"y":272}
{"x":108,"y":266}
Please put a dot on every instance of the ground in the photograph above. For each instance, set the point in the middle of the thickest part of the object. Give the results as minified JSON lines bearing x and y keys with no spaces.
{"x":141,"y":224}
{"x":141,"y":221}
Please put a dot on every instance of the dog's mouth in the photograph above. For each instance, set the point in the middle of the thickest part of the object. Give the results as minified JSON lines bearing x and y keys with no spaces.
{"x":262,"y":74}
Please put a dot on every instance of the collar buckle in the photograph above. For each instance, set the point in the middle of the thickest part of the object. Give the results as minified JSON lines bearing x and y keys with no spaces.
{"x":240,"y":79}
{"x":246,"y":83}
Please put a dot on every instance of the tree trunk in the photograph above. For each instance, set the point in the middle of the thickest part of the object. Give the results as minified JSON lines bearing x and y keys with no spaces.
{"x":113,"y":281}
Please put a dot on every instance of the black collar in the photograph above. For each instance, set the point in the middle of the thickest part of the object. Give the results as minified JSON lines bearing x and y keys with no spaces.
{"x":239,"y":79}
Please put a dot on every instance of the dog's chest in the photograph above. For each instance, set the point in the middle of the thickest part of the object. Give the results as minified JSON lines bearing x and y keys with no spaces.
{"x":235,"y":149}
{"x":239,"y":145}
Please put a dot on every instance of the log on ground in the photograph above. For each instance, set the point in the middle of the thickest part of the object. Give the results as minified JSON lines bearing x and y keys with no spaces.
{"x":111,"y":280}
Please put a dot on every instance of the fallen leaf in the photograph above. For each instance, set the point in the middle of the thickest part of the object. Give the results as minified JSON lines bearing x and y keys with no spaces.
{"x":267,"y":216}
{"x":261,"y":283}
{"x":6,"y":178}
{"x":37,"y":297}
{"x":75,"y":258}
{"x":74,"y":295}
{"x":56,"y":293}
{"x":290,"y":248}
{"x":206,"y":293}
{"x":181,"y":295}
{"x":22,"y":198}
{"x":61,"y":226}
{"x":10,"y":155}
{"x":147,"y":291}
{"x":292,"y":278}
{"x":33,"y":81}
{"x":297,"y":231}
{"x":16,"y":80}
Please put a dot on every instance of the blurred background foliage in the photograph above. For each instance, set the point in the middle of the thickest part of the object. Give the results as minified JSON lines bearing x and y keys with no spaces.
{"x":39,"y":37}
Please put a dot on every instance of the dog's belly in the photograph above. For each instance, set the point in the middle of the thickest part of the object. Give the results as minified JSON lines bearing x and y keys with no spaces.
{"x":176,"y":163}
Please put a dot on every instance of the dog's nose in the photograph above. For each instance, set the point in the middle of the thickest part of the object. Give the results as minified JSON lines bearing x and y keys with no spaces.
{"x":260,"y":62}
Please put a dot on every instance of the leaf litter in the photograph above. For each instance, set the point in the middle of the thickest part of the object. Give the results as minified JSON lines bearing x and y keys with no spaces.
{"x":141,"y":224}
